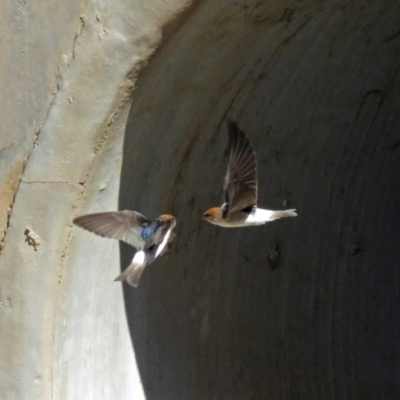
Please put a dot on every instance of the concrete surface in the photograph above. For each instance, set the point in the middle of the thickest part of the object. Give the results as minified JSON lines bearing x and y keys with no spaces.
{"x":315,"y":86}
{"x":67,"y":71}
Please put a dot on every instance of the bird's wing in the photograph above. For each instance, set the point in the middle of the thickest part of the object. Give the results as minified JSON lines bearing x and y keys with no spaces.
{"x":240,"y":184}
{"x":120,"y":225}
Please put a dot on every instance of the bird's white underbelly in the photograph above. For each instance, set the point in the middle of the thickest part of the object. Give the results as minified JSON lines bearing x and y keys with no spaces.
{"x":259,"y":217}
{"x":139,"y":257}
{"x":146,"y":256}
{"x":163,"y":243}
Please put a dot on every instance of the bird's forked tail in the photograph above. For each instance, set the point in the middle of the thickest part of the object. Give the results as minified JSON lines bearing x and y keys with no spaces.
{"x":283,"y":214}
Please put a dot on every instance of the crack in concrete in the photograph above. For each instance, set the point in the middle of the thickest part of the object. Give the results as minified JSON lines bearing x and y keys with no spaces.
{"x":82,"y":184}
{"x":56,"y":182}
{"x":126,"y":86}
{"x":24,"y":165}
{"x":123,"y":98}
{"x":77,"y":35}
{"x":39,"y":130}
{"x":75,"y":207}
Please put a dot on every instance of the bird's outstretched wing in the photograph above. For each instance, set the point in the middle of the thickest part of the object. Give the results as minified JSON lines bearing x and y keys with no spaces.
{"x":121,"y":225}
{"x":240,"y":184}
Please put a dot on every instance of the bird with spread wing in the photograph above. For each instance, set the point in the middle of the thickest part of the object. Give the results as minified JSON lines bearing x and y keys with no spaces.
{"x":149,"y":238}
{"x":240,"y":188}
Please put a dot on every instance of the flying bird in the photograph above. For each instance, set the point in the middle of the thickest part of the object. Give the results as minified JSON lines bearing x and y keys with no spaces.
{"x":149,"y":238}
{"x":240,"y":188}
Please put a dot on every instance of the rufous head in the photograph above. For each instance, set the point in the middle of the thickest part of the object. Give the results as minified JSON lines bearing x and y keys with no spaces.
{"x":213,"y":215}
{"x":168,"y":217}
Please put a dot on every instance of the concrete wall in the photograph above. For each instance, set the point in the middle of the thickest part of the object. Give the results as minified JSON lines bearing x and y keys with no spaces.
{"x":67,"y":72}
{"x":315,"y":86}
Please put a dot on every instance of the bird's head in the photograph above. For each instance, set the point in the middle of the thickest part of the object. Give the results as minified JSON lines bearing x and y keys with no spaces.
{"x":168,"y":218}
{"x":213,"y":215}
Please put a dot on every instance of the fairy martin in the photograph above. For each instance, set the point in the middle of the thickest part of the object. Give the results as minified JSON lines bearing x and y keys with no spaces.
{"x":240,"y":188}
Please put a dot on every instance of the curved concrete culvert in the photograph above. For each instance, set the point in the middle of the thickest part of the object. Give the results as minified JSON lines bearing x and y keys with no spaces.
{"x":314,"y":86}
{"x":67,"y":73}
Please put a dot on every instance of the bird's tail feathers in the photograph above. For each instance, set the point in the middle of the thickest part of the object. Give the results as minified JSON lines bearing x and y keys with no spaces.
{"x":283,"y":214}
{"x":131,"y":274}
{"x":134,"y":271}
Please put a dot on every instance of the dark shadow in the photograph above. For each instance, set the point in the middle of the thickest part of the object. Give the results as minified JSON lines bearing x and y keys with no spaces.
{"x":318,"y":95}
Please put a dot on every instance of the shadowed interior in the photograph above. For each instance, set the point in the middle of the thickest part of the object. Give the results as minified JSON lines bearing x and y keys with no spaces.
{"x":302,"y":308}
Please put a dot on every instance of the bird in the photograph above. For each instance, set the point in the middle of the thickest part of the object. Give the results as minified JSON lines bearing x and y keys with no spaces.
{"x":149,"y":238}
{"x":240,"y":188}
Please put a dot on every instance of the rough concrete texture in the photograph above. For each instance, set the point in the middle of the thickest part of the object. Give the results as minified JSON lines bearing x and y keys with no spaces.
{"x":315,"y":86}
{"x":67,"y":71}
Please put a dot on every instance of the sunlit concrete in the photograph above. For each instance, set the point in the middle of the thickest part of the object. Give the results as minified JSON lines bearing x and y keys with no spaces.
{"x":314,"y":84}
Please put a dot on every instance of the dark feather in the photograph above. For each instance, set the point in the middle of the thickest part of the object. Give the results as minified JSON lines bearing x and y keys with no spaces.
{"x":240,"y":185}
